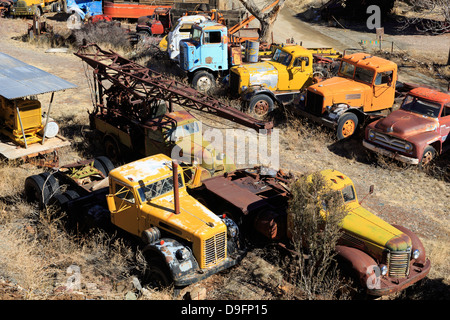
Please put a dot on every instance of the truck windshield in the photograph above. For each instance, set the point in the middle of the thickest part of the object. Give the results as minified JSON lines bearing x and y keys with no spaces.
{"x":364,"y":75}
{"x":348,"y":193}
{"x":196,"y":34}
{"x":185,"y":130}
{"x":158,"y":188}
{"x":347,"y":69}
{"x":282,"y":57}
{"x":422,"y":107}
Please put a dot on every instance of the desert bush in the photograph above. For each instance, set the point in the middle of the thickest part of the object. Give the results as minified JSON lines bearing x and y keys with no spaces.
{"x":104,"y":34}
{"x":315,"y":215}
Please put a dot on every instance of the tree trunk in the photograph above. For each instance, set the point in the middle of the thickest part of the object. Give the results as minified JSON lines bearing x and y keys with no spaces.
{"x":266,"y":19}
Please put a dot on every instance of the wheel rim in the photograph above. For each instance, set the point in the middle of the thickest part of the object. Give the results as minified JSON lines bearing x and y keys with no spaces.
{"x":427,"y":157}
{"x":348,"y":128}
{"x":204,"y":84}
{"x":261,"y":108}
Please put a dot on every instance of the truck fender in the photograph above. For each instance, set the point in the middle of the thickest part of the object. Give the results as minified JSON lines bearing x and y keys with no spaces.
{"x":169,"y":251}
{"x":360,"y":263}
{"x":248,"y":96}
{"x":416,"y":243}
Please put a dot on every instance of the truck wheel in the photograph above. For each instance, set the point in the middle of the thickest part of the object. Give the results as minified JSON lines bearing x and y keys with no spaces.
{"x":157,"y":275}
{"x":203,"y":81}
{"x":428,"y":155}
{"x":260,"y":105}
{"x":103,"y":164}
{"x":40,"y":188}
{"x":112,"y":149}
{"x":347,"y":125}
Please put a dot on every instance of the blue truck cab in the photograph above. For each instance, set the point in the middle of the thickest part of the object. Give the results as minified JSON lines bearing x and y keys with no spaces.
{"x":204,"y":56}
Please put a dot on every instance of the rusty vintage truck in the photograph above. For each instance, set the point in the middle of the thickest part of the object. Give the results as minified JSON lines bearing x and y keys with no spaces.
{"x":384,"y":258}
{"x":182,"y":240}
{"x":417,"y":132}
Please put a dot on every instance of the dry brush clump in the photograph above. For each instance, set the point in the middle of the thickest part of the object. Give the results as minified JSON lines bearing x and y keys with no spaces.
{"x":315,"y":215}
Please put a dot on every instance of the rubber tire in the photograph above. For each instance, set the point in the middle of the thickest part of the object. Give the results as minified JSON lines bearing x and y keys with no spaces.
{"x":260,"y":101}
{"x":40,"y":189}
{"x":157,"y":274}
{"x":112,"y":149}
{"x":432,"y":154}
{"x":103,"y":164}
{"x":344,"y":121}
{"x":203,"y":74}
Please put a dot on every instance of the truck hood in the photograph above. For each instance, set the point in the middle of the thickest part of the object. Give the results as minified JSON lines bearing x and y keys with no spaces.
{"x":341,"y":90}
{"x":404,"y":123}
{"x":194,"y":218}
{"x":262,"y":73}
{"x":366,"y":226}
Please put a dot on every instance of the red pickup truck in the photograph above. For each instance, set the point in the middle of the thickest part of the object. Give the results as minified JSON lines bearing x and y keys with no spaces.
{"x":416,"y":132}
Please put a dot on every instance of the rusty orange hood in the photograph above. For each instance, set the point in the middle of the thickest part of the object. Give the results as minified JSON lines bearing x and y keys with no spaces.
{"x":404,"y":123}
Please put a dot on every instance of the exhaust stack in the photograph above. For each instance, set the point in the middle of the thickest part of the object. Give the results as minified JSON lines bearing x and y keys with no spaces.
{"x":176,"y":194}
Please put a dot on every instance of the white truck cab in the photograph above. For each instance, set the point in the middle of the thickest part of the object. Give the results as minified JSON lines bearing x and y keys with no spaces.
{"x":181,"y":31}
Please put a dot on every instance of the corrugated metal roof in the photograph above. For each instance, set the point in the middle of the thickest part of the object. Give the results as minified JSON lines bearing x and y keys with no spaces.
{"x":18,"y":79}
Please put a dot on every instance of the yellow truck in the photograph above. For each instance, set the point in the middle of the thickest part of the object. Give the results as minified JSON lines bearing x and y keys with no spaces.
{"x":363,"y":90}
{"x":182,"y":240}
{"x":381,"y":257}
{"x":264,"y":85}
{"x":36,"y":7}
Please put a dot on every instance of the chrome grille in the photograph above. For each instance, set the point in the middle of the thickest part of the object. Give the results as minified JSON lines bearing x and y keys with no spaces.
{"x":390,"y":142}
{"x":398,"y":263}
{"x":215,"y":249}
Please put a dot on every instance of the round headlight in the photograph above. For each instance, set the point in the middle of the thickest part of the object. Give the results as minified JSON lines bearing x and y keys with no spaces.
{"x":408,"y":146}
{"x":371,"y":135}
{"x":415,"y":254}
{"x":182,"y":254}
{"x":383,"y":270}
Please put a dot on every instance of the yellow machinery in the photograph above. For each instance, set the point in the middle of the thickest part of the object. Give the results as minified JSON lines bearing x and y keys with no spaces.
{"x":22,"y":120}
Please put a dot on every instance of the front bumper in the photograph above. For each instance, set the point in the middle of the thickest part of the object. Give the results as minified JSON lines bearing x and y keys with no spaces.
{"x":391,"y":154}
{"x":194,"y":276}
{"x":390,"y":285}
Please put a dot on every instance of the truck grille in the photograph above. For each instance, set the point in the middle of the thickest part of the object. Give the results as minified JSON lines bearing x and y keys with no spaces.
{"x":314,"y":103}
{"x":183,"y":63}
{"x":234,"y":84}
{"x":215,"y":249}
{"x":398,"y":263}
{"x":389,"y":142}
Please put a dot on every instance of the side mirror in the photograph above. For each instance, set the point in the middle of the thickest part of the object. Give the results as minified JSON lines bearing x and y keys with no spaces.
{"x":111,"y":203}
{"x":303,"y":65}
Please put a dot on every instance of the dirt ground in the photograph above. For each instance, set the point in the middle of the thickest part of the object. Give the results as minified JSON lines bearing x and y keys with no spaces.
{"x":403,"y":195}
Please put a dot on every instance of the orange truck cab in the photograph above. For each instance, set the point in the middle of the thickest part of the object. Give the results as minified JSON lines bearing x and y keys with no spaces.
{"x":363,"y":89}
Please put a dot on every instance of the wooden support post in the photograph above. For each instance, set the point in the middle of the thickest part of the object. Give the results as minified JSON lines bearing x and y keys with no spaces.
{"x":46,"y":120}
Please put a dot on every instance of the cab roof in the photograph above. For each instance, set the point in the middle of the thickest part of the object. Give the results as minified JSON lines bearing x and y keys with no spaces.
{"x":147,"y":169}
{"x":209,"y":24}
{"x":371,"y":62}
{"x":431,"y":94}
{"x":336,"y":179}
{"x":294,"y":49}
